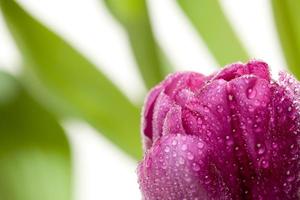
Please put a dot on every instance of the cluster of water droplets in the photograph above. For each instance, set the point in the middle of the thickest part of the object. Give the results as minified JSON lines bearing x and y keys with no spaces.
{"x":245,"y":132}
{"x":174,"y":168}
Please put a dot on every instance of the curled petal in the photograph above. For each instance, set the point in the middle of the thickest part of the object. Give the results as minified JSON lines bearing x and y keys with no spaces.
{"x":259,"y":69}
{"x":148,"y":112}
{"x":163,"y":104}
{"x":169,"y":88}
{"x":232,"y":71}
{"x":208,"y":114}
{"x":173,"y":122}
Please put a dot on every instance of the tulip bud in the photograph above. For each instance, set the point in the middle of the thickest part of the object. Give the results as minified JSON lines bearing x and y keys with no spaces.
{"x":231,"y":135}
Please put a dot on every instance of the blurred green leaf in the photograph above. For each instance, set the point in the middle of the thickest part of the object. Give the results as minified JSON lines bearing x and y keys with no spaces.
{"x":133,"y":15}
{"x":209,"y":20}
{"x":35,"y":160}
{"x":61,"y":77}
{"x":287,"y":17}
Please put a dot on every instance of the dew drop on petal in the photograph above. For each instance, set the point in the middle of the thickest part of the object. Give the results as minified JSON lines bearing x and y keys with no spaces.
{"x":167,"y":149}
{"x":291,"y":80}
{"x":274,"y":145}
{"x":219,"y":108}
{"x":264,"y":164}
{"x":190,"y":156}
{"x":260,"y":148}
{"x":200,"y":145}
{"x":258,"y":145}
{"x":196,"y":167}
{"x":184,"y":147}
{"x":174,"y":142}
{"x":251,"y":93}
{"x":181,"y":161}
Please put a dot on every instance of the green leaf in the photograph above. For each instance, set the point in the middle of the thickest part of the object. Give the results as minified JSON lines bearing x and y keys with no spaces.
{"x":211,"y":23}
{"x":287,"y":17}
{"x":133,"y":15}
{"x":35,"y":160}
{"x":62,"y":78}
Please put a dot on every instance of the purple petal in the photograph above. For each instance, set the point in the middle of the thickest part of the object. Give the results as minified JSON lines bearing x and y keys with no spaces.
{"x":254,"y":67}
{"x":239,"y":136}
{"x":264,"y":137}
{"x":162,"y":106}
{"x":169,"y":89}
{"x":181,"y":167}
{"x":173,"y":122}
{"x":208,"y":115}
{"x":148,"y":112}
{"x":259,"y":69}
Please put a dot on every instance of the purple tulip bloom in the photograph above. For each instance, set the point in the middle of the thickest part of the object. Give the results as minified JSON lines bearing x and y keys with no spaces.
{"x":232,"y":135}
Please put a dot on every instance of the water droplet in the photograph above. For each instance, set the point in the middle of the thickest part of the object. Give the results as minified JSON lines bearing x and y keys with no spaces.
{"x":230,"y":97}
{"x":291,"y":178}
{"x":195,"y":167}
{"x":184,"y":147}
{"x":190,"y":156}
{"x":274,"y":145}
{"x":265,"y":164}
{"x":257,"y":103}
{"x":284,"y":184}
{"x":167,"y":149}
{"x":258,"y":145}
{"x":199,"y":121}
{"x":261,"y":148}
{"x":174,"y":154}
{"x":206,"y":109}
{"x":258,"y":129}
{"x":229,"y":142}
{"x":291,"y":80}
{"x":200,"y":145}
{"x":174,"y":142}
{"x":219,"y":108}
{"x":250,"y":108}
{"x":181,"y":161}
{"x":251,"y":93}
{"x":187,"y":178}
{"x":207,"y":180}
{"x":164,"y":166}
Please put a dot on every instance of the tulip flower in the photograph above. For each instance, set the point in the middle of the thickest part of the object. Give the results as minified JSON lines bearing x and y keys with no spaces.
{"x":232,"y":135}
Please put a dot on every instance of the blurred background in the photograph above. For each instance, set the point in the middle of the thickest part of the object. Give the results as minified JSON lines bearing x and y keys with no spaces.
{"x":75,"y":73}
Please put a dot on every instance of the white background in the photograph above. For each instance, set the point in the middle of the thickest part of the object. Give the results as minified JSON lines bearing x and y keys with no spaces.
{"x":101,"y":170}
